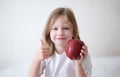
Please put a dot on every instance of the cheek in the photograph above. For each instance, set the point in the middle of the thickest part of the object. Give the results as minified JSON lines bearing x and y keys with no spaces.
{"x":70,"y":34}
{"x":52,"y":35}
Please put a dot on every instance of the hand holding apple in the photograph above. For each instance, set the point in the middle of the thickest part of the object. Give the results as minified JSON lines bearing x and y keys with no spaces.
{"x":73,"y":48}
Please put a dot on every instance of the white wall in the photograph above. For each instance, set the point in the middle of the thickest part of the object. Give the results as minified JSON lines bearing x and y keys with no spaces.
{"x":22,"y":22}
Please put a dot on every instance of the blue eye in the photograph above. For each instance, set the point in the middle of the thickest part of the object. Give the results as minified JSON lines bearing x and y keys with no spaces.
{"x":55,"y":28}
{"x":66,"y":28}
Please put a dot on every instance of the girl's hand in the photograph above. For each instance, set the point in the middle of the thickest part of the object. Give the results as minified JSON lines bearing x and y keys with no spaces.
{"x":83,"y":55}
{"x":43,"y":52}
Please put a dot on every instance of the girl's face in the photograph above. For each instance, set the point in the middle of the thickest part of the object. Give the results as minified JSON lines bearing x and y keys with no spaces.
{"x":61,"y":31}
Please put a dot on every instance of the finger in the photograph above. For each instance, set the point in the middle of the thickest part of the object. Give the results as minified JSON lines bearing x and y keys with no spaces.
{"x":41,"y":43}
{"x":84,"y":53}
{"x":44,"y":48}
{"x":45,"y":52}
{"x":81,"y":55}
{"x":85,"y":48}
{"x":45,"y":55}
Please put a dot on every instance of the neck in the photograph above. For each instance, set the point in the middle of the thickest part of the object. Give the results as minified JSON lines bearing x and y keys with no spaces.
{"x":60,"y":49}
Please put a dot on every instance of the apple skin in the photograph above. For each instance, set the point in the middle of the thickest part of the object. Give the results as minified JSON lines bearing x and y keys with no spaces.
{"x":73,"y":48}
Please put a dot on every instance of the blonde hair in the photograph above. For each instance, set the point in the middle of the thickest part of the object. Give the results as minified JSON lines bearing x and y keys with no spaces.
{"x":53,"y":16}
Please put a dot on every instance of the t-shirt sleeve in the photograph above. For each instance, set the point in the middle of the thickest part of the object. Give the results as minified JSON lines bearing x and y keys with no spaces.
{"x":87,"y":65}
{"x":42,"y":67}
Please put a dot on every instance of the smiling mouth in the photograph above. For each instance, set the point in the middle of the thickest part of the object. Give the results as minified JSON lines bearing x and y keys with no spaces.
{"x":60,"y":38}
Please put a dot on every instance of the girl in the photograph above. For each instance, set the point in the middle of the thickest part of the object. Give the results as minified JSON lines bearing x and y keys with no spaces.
{"x":51,"y":58}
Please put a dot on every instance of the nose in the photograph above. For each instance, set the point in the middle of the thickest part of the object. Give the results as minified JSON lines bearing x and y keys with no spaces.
{"x":60,"y":32}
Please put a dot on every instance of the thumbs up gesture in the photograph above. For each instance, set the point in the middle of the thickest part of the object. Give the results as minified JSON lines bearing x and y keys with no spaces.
{"x":43,"y":52}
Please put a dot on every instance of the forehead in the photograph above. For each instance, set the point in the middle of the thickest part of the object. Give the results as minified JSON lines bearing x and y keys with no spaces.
{"x":61,"y":20}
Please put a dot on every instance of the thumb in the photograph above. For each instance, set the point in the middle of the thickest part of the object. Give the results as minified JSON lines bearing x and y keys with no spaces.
{"x":41,"y":43}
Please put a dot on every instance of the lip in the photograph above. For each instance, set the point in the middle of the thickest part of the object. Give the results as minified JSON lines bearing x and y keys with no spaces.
{"x":60,"y":38}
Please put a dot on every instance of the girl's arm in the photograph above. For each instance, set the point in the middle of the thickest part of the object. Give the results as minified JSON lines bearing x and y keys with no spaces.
{"x":41,"y":54}
{"x":34,"y":69}
{"x":79,"y":71}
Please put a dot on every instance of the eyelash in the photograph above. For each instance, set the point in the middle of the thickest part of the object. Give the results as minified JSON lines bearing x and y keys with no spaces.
{"x":63,"y":28}
{"x":66,"y":28}
{"x":55,"y":29}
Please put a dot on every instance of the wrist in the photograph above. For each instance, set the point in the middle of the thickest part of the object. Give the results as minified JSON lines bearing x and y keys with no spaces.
{"x":78,"y":65}
{"x":79,"y":70}
{"x":36,"y":60}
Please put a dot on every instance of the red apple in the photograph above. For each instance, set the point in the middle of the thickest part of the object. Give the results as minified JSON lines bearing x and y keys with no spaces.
{"x":73,"y":49}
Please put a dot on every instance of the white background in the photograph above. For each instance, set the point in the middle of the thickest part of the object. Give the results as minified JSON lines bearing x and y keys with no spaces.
{"x":22,"y":23}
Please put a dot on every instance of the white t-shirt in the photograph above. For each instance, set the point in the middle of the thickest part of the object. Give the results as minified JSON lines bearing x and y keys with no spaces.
{"x":61,"y":66}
